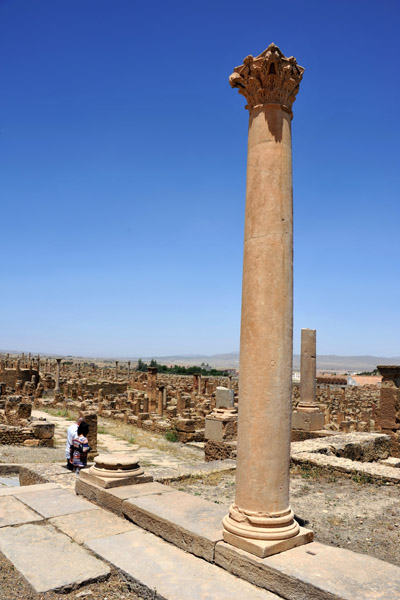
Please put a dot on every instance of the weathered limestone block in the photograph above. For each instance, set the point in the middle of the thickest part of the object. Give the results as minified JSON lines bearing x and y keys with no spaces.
{"x":219,"y":450}
{"x":308,"y":421}
{"x":224,"y":397}
{"x":187,"y":425}
{"x":219,"y":430}
{"x":144,"y":416}
{"x":42,"y":430}
{"x":31,"y":442}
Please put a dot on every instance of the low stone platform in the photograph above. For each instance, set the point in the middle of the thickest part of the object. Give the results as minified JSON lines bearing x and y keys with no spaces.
{"x":44,"y":542}
{"x":309,"y":572}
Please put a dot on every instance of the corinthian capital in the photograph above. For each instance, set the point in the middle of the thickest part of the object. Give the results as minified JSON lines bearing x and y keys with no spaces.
{"x":270,"y":78}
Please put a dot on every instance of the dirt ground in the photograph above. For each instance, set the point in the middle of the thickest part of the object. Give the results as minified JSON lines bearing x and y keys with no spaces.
{"x":349,"y":513}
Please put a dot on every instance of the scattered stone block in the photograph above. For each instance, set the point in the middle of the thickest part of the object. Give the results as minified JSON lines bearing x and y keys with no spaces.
{"x":43,"y":431}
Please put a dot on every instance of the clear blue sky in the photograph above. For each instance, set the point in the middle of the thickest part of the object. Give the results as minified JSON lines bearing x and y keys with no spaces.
{"x":123,"y":170}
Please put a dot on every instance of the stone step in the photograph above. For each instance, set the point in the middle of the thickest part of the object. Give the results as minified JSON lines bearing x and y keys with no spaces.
{"x":315,"y":572}
{"x":161,"y":571}
{"x":49,"y":560}
{"x":189,"y":522}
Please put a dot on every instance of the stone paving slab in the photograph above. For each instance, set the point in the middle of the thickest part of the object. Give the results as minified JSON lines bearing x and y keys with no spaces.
{"x":112,"y":498}
{"x":189,"y":522}
{"x":53,"y":503}
{"x":315,"y":572}
{"x":49,"y":560}
{"x":14,"y":512}
{"x":85,"y":526}
{"x":27,"y":489}
{"x":161,"y":571}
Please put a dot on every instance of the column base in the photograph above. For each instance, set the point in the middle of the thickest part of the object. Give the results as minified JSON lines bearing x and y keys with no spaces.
{"x":264,"y":548}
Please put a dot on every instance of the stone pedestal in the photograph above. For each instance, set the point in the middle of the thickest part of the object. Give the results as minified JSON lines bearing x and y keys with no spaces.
{"x":114,"y":470}
{"x":307,"y":416}
{"x":308,"y":421}
{"x":261,"y":520}
{"x":220,"y":434}
{"x":224,"y":397}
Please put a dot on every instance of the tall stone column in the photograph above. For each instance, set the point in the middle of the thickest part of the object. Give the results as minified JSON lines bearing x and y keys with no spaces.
{"x":58,"y":368}
{"x":129,"y":370}
{"x":116,"y":368}
{"x":307,"y":416}
{"x":261,"y":520}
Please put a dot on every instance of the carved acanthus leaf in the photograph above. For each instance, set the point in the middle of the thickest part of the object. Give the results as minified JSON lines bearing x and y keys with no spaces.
{"x":270,"y":78}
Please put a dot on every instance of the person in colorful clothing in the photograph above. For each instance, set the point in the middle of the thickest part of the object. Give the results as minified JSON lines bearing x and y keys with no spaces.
{"x":72,"y":432}
{"x":80,"y":448}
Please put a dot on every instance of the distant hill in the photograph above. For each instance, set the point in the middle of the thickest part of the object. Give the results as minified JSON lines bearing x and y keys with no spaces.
{"x":230,"y":360}
{"x":325,"y":362}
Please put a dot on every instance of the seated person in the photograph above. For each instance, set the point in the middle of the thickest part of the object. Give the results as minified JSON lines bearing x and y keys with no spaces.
{"x":80,"y":448}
